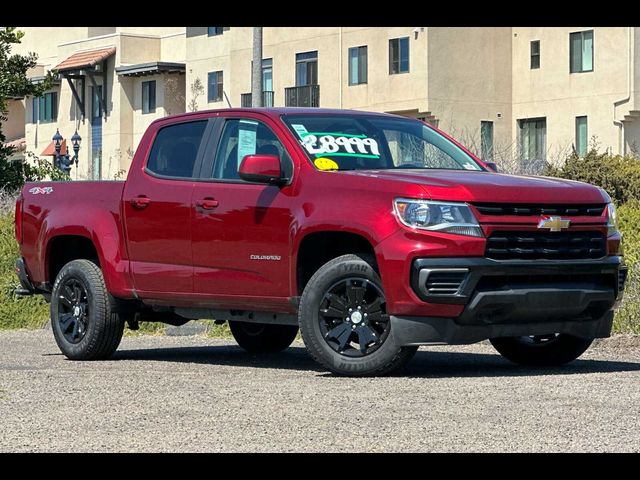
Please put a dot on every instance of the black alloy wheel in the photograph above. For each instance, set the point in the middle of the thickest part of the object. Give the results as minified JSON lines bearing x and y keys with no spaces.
{"x":73,"y":311}
{"x":352,"y":317}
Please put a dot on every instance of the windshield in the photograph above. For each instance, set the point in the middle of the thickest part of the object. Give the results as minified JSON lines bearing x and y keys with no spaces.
{"x":369,"y":142}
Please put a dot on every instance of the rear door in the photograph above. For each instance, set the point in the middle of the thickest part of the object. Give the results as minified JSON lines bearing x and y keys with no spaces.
{"x":157,"y":208}
{"x":241,"y":230}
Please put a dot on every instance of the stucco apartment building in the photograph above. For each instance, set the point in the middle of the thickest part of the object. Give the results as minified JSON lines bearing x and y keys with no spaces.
{"x":517,"y":95}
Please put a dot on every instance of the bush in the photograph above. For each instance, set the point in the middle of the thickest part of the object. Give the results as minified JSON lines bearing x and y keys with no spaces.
{"x":15,"y":312}
{"x":618,"y":175}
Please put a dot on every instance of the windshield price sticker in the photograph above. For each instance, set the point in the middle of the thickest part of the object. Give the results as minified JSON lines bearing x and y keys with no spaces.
{"x":340,"y":145}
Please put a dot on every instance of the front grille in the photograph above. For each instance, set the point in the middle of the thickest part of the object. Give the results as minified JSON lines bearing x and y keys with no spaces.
{"x":545,"y":245}
{"x":445,"y":282}
{"x":529,"y":209}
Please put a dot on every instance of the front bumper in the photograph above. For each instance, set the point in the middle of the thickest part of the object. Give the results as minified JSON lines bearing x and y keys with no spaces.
{"x":513,"y":298}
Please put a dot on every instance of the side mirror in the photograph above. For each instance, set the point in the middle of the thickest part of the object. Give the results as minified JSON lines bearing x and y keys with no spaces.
{"x":261,"y":169}
{"x":492,"y":166}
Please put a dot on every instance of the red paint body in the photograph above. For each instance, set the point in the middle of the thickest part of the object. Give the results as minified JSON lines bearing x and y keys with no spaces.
{"x":189,"y":243}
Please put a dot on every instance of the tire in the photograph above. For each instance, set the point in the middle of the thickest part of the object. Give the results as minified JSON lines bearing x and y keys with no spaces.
{"x":83,"y":324}
{"x":330,"y":330}
{"x":541,"y":350}
{"x":263,"y":337}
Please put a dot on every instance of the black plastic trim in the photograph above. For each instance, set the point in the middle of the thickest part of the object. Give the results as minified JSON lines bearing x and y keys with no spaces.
{"x":433,"y":330}
{"x":480,"y":267}
{"x":26,"y":287}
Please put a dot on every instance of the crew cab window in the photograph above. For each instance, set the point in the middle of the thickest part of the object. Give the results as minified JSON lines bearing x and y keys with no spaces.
{"x":175,"y":149}
{"x":242,"y":137}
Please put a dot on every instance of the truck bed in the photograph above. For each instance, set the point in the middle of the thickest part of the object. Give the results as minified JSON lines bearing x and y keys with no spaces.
{"x":51,"y":209}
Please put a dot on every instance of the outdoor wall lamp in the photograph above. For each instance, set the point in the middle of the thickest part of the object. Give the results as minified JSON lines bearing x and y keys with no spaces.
{"x":62,"y":161}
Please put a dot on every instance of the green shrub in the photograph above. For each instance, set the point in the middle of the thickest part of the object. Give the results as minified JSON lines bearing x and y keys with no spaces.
{"x":15,"y":312}
{"x":629,"y":221}
{"x":618,"y":175}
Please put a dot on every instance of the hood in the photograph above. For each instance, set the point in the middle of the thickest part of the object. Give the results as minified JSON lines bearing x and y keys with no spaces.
{"x":472,"y":186}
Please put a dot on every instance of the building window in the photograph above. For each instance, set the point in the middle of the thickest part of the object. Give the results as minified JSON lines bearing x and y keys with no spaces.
{"x":96,"y":106}
{"x":533,"y":139}
{"x":46,"y":108}
{"x":214,"y":92}
{"x":267,"y":82}
{"x":267,"y":75}
{"x":357,"y":65}
{"x":35,"y":101}
{"x":581,"y":51}
{"x":149,"y":96}
{"x":213,"y":31}
{"x":398,"y":55}
{"x":581,"y":136}
{"x":486,"y":140}
{"x":306,"y":68}
{"x":535,"y":54}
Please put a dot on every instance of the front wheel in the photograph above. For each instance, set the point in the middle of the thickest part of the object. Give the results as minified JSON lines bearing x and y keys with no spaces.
{"x":343,"y":319}
{"x":263,"y":337}
{"x":541,"y":350}
{"x":83,"y":324}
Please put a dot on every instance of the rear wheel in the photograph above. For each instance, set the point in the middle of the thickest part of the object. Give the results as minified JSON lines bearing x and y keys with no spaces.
{"x":541,"y":350}
{"x":343,"y":319}
{"x":263,"y":337}
{"x":83,"y":324}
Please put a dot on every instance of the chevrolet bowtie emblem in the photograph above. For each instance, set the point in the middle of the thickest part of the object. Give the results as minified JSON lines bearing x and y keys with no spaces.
{"x":555,"y":224}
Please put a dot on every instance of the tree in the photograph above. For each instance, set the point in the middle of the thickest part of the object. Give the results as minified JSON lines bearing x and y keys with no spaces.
{"x":256,"y":68}
{"x":197,"y":89}
{"x":15,"y":84}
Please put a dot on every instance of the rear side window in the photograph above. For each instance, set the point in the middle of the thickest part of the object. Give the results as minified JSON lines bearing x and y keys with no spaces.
{"x":175,"y":149}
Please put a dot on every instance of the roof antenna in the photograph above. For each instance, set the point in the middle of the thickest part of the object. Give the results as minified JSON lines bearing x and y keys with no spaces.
{"x":226,"y":98}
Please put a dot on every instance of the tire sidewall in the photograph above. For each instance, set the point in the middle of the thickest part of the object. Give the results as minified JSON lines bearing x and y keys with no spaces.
{"x":75,"y":350}
{"x":310,"y":326}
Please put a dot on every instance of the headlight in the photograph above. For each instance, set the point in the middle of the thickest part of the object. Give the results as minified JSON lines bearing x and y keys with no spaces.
{"x":437,"y":216}
{"x":612,"y":219}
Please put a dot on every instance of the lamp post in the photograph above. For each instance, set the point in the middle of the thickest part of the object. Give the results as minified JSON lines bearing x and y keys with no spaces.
{"x":62,"y":161}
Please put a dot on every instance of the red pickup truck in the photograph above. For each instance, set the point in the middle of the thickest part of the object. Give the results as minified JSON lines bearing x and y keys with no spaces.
{"x":371,"y":233}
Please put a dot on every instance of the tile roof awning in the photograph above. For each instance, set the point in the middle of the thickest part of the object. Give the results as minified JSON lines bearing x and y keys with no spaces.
{"x":150,"y":68}
{"x":81,"y":60}
{"x":51,"y":148}
{"x":19,"y":143}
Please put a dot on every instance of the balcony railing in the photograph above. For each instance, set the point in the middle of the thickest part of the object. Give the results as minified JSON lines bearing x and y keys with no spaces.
{"x":267,"y":99}
{"x":305,"y":96}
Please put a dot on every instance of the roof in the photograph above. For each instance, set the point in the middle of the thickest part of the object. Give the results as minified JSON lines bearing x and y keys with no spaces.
{"x":150,"y":68}
{"x":51,"y":148}
{"x":85,"y":59}
{"x":277,"y":111}
{"x":18,"y":143}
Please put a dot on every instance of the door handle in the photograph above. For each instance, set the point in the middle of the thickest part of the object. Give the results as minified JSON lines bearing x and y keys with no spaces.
{"x":140,"y":202}
{"x":207,"y":203}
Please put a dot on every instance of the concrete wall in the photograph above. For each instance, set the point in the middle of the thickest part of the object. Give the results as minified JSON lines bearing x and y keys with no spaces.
{"x":13,"y":127}
{"x":470,"y":81}
{"x":552,"y":92}
{"x":231,"y":52}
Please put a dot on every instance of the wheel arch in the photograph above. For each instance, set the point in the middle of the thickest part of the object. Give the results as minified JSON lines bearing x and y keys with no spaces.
{"x":319,"y":246}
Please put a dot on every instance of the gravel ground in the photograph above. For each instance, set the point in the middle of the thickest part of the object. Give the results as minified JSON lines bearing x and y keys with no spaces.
{"x":192,"y":393}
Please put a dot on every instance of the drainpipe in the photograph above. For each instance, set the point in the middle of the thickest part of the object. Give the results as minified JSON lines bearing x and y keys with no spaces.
{"x":620,"y":124}
{"x":340,"y":77}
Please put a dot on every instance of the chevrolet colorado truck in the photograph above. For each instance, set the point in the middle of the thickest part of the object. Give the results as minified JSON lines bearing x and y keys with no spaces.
{"x":370,"y":233}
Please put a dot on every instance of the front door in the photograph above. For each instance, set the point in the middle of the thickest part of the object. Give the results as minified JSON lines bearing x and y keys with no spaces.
{"x":241,"y":229}
{"x":157,"y":206}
